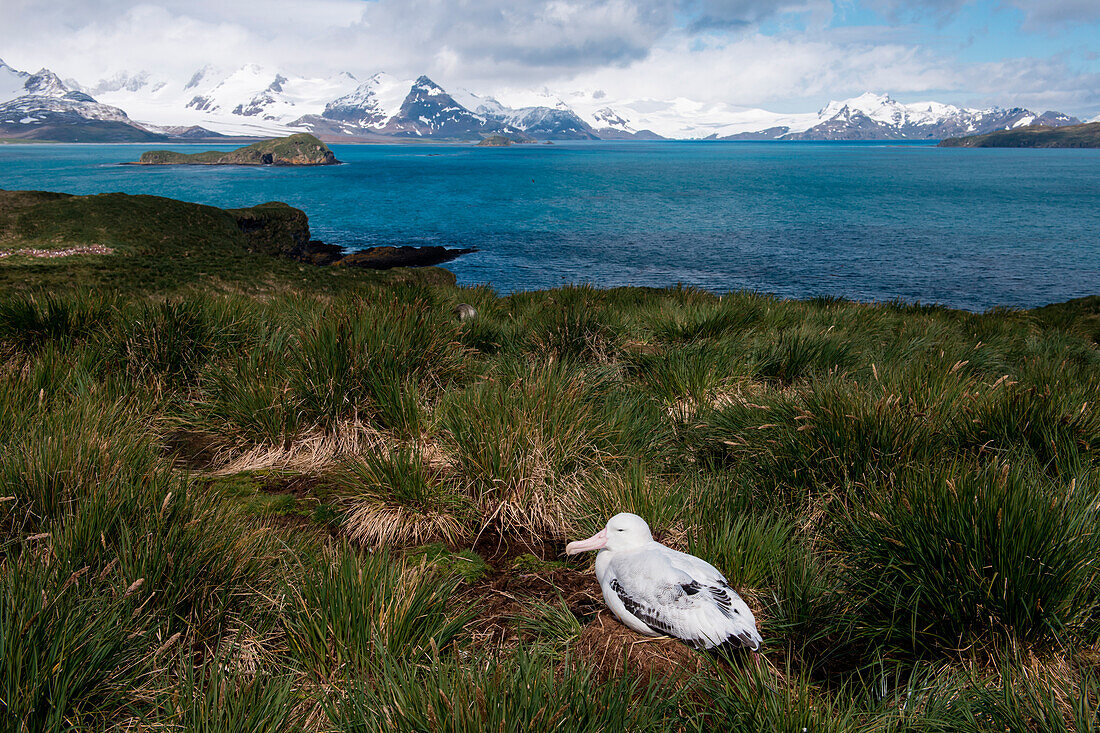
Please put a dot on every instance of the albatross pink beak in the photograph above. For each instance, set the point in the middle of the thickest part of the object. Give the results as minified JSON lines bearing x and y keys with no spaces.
{"x":595,"y":542}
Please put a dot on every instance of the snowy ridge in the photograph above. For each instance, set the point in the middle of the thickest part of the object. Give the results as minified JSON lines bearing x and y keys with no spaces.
{"x":251,"y":100}
{"x":429,"y":111}
{"x":371,"y":104}
{"x":257,"y":101}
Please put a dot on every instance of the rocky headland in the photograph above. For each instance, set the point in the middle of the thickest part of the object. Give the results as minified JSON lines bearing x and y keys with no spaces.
{"x":150,"y":241}
{"x":1033,"y":136}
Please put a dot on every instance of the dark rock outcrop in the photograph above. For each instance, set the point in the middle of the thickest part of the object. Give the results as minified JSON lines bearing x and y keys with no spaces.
{"x":275,"y":229}
{"x":383,"y":258}
{"x":280,"y":230}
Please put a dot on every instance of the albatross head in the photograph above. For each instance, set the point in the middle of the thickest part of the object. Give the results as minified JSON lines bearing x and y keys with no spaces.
{"x":623,"y":532}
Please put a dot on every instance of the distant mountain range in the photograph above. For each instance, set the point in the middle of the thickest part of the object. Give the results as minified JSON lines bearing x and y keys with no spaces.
{"x":252,"y":101}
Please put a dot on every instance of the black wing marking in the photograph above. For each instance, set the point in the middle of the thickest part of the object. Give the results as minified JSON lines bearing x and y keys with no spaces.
{"x":735,"y":642}
{"x":723,"y":599}
{"x":651,"y":617}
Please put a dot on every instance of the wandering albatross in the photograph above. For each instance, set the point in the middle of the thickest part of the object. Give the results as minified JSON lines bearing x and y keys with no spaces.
{"x":656,"y":590}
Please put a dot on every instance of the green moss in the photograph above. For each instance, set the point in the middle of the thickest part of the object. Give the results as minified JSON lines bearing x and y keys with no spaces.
{"x":327,"y":515}
{"x":274,"y":505}
{"x":467,"y":564}
{"x":242,"y":485}
{"x":528,"y":563}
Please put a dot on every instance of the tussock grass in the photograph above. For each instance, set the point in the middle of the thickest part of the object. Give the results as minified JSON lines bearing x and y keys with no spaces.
{"x":350,"y":615}
{"x":521,"y":694}
{"x":525,"y":440}
{"x":552,"y":625}
{"x":401,"y":500}
{"x":906,"y":496}
{"x":71,"y":641}
{"x":213,"y":697}
{"x":953,"y":557}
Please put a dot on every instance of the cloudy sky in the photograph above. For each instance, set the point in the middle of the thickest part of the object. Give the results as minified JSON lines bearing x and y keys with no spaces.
{"x":785,"y":56}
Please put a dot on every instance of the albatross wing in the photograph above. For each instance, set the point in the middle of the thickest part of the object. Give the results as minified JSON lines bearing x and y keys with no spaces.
{"x":660,"y":591}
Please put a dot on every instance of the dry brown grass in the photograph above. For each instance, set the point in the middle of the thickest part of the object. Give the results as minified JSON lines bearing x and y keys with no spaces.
{"x":374,"y":522}
{"x":313,"y":452}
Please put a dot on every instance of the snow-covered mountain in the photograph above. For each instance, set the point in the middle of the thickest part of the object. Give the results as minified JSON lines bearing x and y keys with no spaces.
{"x":429,"y":111}
{"x":371,"y":104}
{"x":42,"y":107}
{"x":257,"y":101}
{"x":251,"y":100}
{"x":878,"y":117}
{"x":543,"y":116}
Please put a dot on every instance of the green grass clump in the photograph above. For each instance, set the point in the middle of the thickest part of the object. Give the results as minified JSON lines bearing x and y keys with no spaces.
{"x":514,"y":694}
{"x":369,"y":358}
{"x":954,"y":558}
{"x":552,"y":625}
{"x":69,"y":643}
{"x":524,"y":440}
{"x":399,"y":499}
{"x":351,"y":614}
{"x":239,"y":493}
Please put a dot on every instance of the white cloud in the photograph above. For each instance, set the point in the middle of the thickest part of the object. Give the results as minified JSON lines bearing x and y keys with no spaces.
{"x":709,"y":50}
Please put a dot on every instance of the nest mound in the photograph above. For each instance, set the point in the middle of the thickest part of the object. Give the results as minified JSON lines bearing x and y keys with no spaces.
{"x":611,"y":649}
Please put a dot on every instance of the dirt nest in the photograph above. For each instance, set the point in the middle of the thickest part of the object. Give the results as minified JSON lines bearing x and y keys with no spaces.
{"x":507,"y":591}
{"x":610,"y":649}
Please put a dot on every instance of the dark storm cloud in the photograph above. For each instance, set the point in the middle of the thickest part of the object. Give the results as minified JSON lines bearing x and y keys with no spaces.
{"x":708,"y":15}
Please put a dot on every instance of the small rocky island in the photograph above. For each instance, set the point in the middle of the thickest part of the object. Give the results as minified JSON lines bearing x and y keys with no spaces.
{"x":1034,"y":136}
{"x":301,"y":149}
{"x":495,"y":141}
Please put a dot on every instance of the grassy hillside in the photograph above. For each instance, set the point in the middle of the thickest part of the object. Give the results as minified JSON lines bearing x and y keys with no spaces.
{"x":329,"y":505}
{"x":1036,"y":136}
{"x":162,"y":246}
{"x":294,"y":150}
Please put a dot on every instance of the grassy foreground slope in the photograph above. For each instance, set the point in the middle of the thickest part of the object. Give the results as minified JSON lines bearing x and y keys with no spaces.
{"x":331,"y":506}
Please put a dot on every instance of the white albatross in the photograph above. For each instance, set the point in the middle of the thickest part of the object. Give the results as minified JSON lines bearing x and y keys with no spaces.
{"x":656,"y":590}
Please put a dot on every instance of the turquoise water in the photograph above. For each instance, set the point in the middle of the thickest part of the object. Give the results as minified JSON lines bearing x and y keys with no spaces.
{"x":965,"y":228}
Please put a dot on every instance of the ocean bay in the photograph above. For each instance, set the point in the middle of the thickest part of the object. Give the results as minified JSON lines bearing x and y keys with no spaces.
{"x":972,"y":229}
